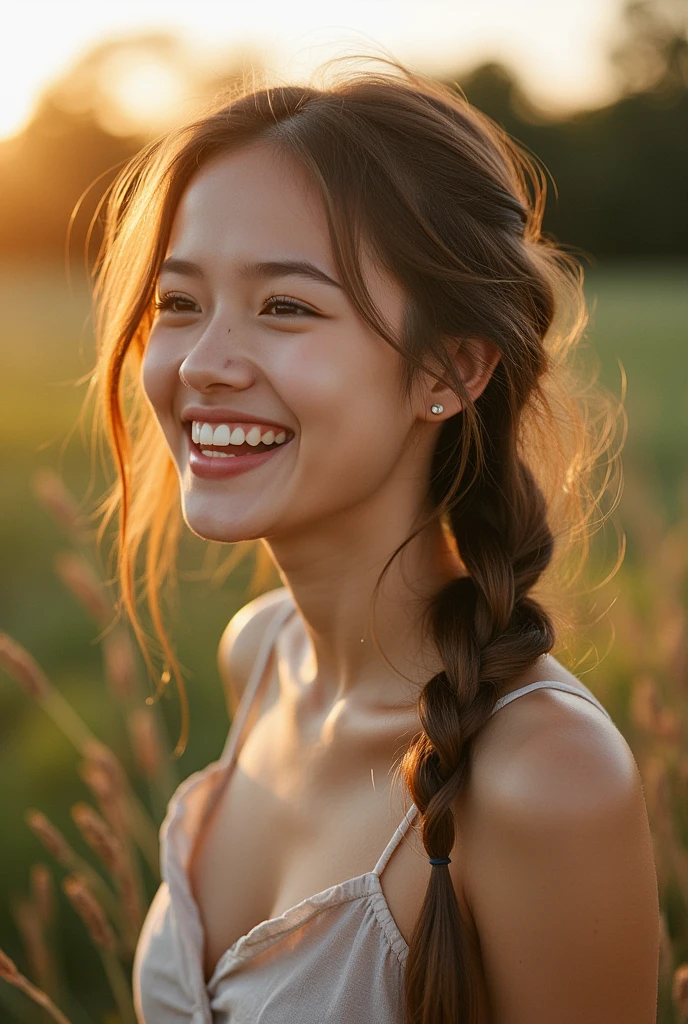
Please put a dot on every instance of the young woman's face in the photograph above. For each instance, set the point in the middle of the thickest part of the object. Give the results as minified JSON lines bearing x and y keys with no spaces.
{"x":282,"y":346}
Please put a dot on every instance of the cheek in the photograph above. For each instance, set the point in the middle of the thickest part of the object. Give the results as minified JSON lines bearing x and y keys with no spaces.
{"x":352,"y":421}
{"x":339,"y":372}
{"x":157,"y":377}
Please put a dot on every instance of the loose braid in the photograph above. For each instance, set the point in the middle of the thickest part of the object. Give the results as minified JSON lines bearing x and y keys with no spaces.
{"x":487,"y":630}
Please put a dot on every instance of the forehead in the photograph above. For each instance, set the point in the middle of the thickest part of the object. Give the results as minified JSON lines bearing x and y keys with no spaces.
{"x":256,"y":201}
{"x":259,"y":204}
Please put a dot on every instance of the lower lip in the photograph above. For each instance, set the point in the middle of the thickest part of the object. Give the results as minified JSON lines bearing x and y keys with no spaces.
{"x":213,"y":467}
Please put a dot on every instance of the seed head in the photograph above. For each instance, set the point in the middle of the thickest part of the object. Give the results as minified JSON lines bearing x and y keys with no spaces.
{"x":18,"y":663}
{"x":90,"y":911}
{"x":51,"y":837}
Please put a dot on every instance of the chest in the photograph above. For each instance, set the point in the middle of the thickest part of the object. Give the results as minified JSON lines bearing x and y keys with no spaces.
{"x":289,"y":822}
{"x":299,"y":814}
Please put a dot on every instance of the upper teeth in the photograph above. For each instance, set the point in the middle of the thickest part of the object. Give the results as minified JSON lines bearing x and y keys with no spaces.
{"x":205,"y":433}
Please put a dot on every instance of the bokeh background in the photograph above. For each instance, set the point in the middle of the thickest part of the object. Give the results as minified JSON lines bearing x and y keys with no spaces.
{"x":598,"y":90}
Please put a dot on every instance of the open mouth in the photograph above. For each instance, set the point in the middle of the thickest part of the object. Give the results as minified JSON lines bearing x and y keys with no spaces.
{"x":227,"y":451}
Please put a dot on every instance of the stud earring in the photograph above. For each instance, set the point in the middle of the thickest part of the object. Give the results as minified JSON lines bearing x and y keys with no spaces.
{"x":437,"y":409}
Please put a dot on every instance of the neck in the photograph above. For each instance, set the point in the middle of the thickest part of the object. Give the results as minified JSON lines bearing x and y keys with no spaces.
{"x":349,"y":647}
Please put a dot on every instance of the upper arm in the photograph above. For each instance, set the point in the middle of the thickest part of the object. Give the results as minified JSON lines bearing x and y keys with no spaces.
{"x":565,"y":901}
{"x":239,"y":643}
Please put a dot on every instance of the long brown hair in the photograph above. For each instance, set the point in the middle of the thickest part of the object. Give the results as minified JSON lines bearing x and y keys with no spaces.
{"x":452,"y":207}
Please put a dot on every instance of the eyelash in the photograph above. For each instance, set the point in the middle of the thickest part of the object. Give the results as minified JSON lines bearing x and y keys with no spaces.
{"x":167,"y":300}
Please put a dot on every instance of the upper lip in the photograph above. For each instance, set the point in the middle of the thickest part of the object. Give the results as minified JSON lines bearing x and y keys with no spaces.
{"x":213,"y":415}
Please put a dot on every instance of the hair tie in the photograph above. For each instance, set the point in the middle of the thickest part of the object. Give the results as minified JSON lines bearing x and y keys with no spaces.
{"x":440,"y":860}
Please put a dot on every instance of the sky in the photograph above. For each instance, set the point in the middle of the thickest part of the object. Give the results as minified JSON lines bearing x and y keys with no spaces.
{"x":558,"y":49}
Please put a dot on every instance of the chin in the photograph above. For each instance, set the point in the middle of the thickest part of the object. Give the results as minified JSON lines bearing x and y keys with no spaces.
{"x":208,"y":525}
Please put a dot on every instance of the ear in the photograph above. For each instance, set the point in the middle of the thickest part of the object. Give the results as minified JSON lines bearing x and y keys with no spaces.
{"x":475,"y":360}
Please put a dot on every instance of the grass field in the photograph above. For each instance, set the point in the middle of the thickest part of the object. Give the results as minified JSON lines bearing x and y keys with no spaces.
{"x":639,"y":317}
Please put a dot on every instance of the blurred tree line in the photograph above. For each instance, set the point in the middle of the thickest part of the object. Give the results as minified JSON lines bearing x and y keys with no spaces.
{"x":621,"y":171}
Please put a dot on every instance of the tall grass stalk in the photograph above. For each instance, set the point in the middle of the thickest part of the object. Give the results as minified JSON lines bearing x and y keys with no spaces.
{"x":20,"y":664}
{"x":102,"y":936}
{"x":10,"y":974}
{"x":56,"y":844}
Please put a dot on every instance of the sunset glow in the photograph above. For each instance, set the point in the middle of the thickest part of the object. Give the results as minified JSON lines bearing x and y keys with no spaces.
{"x":558,"y":50}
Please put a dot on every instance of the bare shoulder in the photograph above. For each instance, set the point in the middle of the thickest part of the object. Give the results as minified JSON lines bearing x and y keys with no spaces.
{"x":548,"y":745}
{"x":239,"y":643}
{"x":559,"y":866}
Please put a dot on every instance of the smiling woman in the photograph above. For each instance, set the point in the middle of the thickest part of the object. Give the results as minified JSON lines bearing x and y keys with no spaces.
{"x":354,"y":280}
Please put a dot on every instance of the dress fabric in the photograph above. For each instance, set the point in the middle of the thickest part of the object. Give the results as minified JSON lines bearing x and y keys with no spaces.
{"x":336,"y":956}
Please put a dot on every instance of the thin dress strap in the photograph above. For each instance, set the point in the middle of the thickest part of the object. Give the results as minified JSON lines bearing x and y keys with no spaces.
{"x":540,"y":684}
{"x":395,"y":840}
{"x":550,"y":685}
{"x":255,"y":678}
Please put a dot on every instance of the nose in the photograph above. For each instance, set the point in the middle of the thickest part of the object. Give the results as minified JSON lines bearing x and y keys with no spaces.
{"x":208,"y":364}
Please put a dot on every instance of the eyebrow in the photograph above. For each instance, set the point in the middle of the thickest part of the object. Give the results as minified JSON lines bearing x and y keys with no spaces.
{"x":252,"y":269}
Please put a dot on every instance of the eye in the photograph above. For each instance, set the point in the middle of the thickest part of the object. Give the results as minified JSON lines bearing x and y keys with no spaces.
{"x":289,"y":305}
{"x":170,"y":299}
